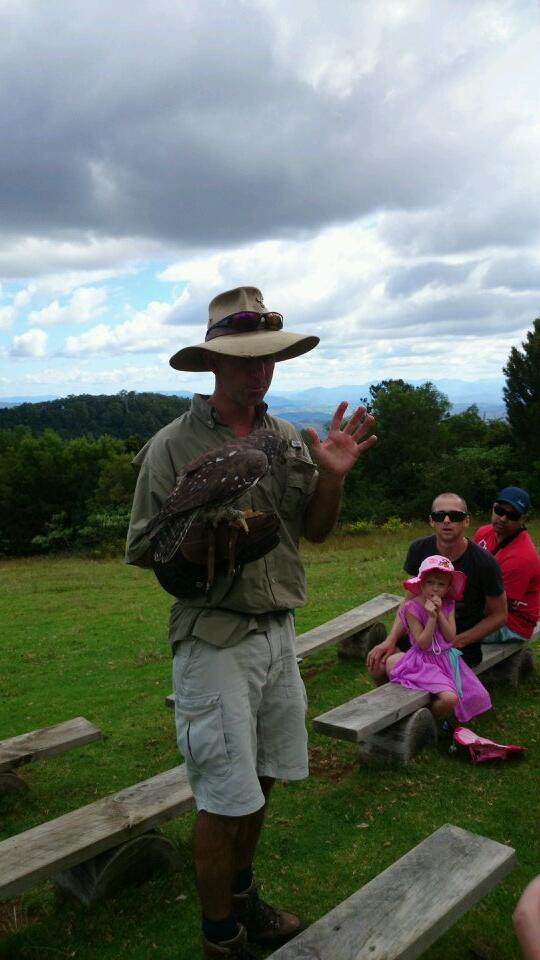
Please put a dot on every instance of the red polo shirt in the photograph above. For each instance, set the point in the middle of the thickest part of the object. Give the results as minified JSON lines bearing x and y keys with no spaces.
{"x":520,"y":566}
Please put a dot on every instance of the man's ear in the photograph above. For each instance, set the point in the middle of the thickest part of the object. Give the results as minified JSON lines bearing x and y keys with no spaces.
{"x":467,"y":520}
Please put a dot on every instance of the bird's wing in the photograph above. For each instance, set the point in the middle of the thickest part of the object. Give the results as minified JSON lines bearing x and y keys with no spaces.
{"x":220,"y":476}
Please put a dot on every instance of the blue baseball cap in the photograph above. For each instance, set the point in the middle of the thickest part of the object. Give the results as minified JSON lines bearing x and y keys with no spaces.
{"x":516,"y":496}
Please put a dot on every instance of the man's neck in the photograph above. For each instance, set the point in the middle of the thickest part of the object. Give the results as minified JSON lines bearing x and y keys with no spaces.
{"x":240,"y":420}
{"x":500,"y":540}
{"x":453,"y":550}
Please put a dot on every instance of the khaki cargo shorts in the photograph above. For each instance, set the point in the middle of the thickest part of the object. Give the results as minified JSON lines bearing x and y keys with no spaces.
{"x":240,"y":715}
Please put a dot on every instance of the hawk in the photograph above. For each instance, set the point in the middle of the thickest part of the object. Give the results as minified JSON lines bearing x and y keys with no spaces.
{"x":206,"y":491}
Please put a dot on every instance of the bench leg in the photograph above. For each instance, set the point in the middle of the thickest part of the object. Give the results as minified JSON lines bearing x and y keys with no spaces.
{"x":357,"y":646}
{"x":403,"y":740}
{"x":108,"y":873}
{"x":10,"y":782}
{"x":514,"y":669}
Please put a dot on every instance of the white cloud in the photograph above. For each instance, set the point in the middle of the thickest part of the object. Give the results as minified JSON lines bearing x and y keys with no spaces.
{"x":145,"y":332}
{"x":7,"y":316}
{"x":85,"y":304}
{"x":33,"y":344}
{"x":60,"y":264}
{"x":372,"y":167}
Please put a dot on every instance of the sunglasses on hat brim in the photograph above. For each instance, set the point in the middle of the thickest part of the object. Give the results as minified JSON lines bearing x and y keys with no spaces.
{"x":245,"y":321}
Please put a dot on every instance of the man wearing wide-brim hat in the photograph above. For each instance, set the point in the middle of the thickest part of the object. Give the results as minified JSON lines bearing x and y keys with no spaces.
{"x":240,"y":700}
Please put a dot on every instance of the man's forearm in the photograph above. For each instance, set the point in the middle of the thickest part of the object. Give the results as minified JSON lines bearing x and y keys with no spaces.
{"x":397,"y":630}
{"x":481,"y":629}
{"x":322,"y":513}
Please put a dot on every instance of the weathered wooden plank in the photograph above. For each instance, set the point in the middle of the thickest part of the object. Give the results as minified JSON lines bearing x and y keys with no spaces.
{"x":346,"y":624}
{"x":370,"y":712}
{"x":400,"y":913}
{"x":46,"y":742}
{"x":47,"y":849}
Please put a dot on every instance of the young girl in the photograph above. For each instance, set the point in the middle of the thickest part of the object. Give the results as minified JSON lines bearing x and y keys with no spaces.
{"x":433,"y":663}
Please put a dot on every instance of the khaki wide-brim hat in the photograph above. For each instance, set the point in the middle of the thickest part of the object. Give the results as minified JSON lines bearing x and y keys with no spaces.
{"x":262,"y":342}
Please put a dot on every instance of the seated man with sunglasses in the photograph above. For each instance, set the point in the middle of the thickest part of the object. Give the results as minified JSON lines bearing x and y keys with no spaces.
{"x":483,"y":608}
{"x":240,"y":700}
{"x":506,"y":539}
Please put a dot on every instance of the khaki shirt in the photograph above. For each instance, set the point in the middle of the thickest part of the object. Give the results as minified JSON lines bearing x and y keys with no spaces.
{"x":276,"y":582}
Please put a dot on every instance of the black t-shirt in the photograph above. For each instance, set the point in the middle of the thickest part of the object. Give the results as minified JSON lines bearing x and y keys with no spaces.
{"x":484,"y":579}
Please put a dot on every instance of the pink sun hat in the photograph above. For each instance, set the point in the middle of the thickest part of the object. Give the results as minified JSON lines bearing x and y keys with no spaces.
{"x":436,"y":562}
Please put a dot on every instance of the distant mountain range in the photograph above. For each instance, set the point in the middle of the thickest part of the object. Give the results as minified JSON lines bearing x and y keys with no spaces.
{"x":313,"y":405}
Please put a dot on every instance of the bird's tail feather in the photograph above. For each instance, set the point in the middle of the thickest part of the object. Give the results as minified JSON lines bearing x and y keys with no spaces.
{"x":170,"y":536}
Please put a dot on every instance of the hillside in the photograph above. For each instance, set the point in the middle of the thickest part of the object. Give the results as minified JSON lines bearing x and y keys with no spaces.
{"x":122,"y":415}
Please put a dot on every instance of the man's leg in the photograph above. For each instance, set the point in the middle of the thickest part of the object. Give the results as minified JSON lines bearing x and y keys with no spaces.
{"x":214,"y":842}
{"x":223,"y":847}
{"x":220,"y":696}
{"x":264,"y":924}
{"x":249,"y":833}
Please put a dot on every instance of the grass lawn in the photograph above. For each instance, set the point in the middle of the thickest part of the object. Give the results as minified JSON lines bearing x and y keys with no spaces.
{"x":89,"y":637}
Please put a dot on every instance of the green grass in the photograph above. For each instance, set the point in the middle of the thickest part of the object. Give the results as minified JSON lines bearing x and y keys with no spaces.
{"x":84,"y":637}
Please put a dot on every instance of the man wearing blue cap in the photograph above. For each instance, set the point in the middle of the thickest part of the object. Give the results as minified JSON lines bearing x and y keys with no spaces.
{"x":506,"y":538}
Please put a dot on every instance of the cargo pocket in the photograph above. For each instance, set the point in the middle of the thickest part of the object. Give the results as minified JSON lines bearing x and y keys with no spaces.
{"x":199,"y":733}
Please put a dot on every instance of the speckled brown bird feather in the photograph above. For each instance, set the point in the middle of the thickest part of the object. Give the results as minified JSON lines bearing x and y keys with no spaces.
{"x":210,"y":484}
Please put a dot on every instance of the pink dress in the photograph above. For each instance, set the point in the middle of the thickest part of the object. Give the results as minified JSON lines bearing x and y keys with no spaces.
{"x":435,"y":669}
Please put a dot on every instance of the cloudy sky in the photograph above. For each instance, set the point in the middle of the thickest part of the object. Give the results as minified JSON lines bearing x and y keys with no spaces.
{"x":372,"y":167}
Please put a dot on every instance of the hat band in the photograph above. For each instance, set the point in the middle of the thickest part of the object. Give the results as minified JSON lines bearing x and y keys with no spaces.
{"x":245,"y":321}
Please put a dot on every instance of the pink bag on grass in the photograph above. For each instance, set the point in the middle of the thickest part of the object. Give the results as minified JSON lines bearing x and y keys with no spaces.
{"x":480,"y":748}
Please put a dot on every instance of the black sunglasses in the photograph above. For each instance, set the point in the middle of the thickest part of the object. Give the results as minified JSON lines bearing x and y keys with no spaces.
{"x":245,"y":321}
{"x":455,"y":516}
{"x":503,"y":512}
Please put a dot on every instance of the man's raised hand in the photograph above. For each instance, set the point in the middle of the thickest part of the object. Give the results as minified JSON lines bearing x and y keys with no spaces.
{"x":344,"y":445}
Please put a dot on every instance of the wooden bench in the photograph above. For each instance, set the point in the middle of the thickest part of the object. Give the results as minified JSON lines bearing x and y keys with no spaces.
{"x":392,"y":723}
{"x":92,"y":850}
{"x":355,"y":623}
{"x":42,"y":743}
{"x":400,"y":913}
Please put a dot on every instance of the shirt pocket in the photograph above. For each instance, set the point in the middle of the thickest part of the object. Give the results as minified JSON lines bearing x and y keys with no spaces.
{"x":200,"y":734}
{"x":300,"y":482}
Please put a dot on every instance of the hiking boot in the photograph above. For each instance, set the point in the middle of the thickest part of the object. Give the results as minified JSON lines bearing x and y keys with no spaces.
{"x":264,"y":924}
{"x":235,"y":949}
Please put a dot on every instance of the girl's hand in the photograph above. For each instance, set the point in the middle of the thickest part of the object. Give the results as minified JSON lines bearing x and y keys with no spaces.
{"x":431,"y":607}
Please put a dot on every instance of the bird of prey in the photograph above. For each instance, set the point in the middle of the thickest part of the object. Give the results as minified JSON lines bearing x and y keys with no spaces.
{"x":207,"y":489}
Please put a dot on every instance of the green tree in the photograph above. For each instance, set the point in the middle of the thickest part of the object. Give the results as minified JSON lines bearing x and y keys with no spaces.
{"x":393,"y":477}
{"x":465,"y":429}
{"x":45,"y":477}
{"x":122,"y":415}
{"x":522,"y":395}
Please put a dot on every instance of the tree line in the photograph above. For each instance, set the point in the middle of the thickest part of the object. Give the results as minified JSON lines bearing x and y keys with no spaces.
{"x":125,"y":414}
{"x":66,"y":480}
